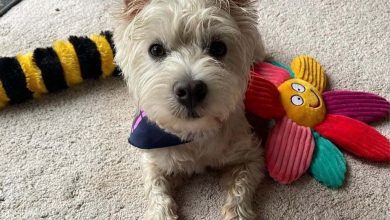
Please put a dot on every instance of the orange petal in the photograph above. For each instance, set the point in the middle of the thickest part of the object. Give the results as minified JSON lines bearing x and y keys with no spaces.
{"x":310,"y":70}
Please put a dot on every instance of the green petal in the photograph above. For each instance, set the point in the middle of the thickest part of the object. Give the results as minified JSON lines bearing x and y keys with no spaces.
{"x":328,"y":165}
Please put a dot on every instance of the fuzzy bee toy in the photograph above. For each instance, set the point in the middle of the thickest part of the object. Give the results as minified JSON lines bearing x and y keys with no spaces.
{"x":53,"y":69}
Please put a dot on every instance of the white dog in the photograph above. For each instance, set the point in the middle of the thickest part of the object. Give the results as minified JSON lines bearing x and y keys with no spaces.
{"x":187,"y":65}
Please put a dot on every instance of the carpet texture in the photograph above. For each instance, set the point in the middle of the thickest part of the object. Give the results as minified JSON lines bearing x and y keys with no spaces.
{"x":66,"y":156}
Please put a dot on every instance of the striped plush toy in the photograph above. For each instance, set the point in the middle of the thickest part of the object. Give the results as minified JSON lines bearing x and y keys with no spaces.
{"x":48,"y":70}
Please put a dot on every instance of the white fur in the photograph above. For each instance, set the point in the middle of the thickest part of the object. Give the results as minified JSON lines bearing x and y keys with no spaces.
{"x":221,"y":137}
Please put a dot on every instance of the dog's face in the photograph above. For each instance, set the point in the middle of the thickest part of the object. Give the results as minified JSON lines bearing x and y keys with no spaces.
{"x":187,"y":62}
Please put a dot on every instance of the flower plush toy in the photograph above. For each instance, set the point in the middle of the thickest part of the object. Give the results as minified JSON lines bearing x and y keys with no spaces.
{"x":311,"y":124}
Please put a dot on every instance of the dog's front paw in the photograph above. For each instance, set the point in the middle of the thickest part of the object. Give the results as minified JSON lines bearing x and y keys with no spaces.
{"x":162,"y":209}
{"x":238,"y":212}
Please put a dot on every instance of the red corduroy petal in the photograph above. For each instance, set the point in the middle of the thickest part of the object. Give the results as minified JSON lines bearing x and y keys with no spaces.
{"x":356,"y":137}
{"x":262,"y":98}
{"x":289,"y":150}
{"x":274,"y":74}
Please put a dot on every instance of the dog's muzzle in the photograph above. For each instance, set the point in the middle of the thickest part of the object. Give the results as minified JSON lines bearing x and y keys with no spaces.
{"x":190,"y":93}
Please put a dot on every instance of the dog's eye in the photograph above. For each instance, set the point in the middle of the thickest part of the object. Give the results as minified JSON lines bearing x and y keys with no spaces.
{"x":157,"y":51}
{"x":217,"y":49}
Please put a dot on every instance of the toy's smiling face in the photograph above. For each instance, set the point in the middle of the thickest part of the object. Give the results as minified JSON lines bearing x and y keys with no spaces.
{"x":303,"y":102}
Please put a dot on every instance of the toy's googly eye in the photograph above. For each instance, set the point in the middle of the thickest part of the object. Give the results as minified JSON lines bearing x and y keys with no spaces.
{"x":298,"y":87}
{"x":297,"y":100}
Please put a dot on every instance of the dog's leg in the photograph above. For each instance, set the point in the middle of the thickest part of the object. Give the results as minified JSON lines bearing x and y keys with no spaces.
{"x":242,"y":181}
{"x":158,"y":187}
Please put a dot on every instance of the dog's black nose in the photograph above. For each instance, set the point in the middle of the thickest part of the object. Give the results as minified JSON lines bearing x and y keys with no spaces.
{"x":190,"y":93}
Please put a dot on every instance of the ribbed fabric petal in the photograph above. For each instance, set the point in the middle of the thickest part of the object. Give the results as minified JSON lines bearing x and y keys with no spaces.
{"x":284,"y":66}
{"x":310,"y":70}
{"x":272,"y":73}
{"x":289,"y":151}
{"x":262,"y":98}
{"x":365,"y":107}
{"x":328,"y":166}
{"x":356,"y":137}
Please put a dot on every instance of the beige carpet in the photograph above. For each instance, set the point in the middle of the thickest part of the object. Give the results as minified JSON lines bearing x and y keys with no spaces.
{"x":66,"y":156}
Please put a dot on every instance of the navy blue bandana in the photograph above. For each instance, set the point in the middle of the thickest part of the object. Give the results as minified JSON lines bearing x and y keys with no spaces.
{"x":148,"y":135}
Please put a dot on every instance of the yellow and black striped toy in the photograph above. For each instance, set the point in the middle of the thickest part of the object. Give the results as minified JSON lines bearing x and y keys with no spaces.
{"x":53,"y":69}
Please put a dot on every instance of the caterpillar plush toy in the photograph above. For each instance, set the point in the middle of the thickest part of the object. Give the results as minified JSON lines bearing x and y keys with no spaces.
{"x":53,"y":69}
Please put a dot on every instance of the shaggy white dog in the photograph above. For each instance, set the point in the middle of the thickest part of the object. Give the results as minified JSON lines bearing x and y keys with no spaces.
{"x":187,"y":65}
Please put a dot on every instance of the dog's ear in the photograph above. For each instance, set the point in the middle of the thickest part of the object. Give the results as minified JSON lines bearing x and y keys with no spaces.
{"x":245,"y":3}
{"x":248,"y":7}
{"x":240,"y":2}
{"x":133,"y":7}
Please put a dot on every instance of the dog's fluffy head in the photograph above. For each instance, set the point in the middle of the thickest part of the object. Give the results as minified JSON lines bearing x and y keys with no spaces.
{"x":186,"y":29}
